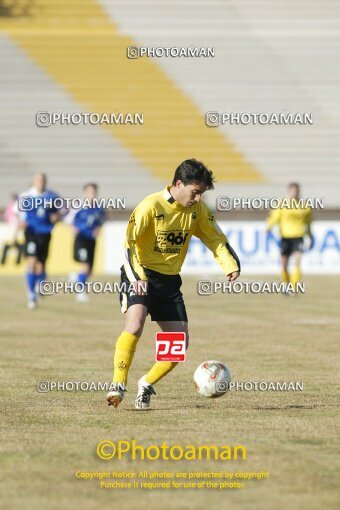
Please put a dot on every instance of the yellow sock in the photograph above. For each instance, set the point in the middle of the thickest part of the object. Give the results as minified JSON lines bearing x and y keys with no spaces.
{"x":124,"y":352}
{"x":296,"y":276}
{"x":285,"y":276}
{"x":159,"y":370}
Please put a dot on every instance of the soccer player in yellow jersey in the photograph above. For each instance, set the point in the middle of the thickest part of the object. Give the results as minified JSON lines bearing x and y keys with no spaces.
{"x":156,"y":244}
{"x":294,"y":221}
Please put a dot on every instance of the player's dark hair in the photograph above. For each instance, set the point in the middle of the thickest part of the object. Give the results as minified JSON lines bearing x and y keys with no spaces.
{"x":191,"y":170}
{"x":92,"y":185}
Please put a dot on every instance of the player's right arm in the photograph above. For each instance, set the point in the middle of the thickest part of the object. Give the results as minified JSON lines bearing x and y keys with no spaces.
{"x":273,"y":218}
{"x":55,"y":214}
{"x":139,"y":221}
{"x":21,"y":215}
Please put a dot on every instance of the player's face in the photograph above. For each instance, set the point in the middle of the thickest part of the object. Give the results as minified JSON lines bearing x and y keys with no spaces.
{"x":39,"y":182}
{"x":90,"y":192}
{"x":293,"y":192}
{"x":188,"y":195}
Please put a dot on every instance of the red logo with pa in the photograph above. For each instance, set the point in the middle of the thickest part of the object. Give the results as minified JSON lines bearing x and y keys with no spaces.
{"x":170,"y":346}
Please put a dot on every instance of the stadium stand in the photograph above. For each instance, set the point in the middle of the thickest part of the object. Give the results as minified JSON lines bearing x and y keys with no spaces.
{"x":71,"y":57}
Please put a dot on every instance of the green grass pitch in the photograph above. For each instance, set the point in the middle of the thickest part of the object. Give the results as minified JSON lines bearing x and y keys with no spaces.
{"x":47,"y":437}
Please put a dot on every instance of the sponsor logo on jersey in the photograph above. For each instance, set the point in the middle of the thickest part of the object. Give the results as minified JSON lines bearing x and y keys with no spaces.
{"x":170,"y":241}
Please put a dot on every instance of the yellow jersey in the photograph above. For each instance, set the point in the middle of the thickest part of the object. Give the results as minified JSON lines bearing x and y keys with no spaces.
{"x":159,"y":232}
{"x":294,"y":219}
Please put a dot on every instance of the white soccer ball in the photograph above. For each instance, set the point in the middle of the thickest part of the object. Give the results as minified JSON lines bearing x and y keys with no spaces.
{"x":212,"y":379}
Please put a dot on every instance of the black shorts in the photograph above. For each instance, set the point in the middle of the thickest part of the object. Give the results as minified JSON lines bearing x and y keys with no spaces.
{"x":36,"y":245}
{"x":83,"y":250}
{"x":291,"y":244}
{"x":164,"y":300}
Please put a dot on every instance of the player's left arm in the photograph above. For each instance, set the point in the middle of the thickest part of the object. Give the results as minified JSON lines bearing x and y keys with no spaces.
{"x":212,"y":236}
{"x":309,"y":218}
{"x":100,"y":222}
{"x":309,"y":222}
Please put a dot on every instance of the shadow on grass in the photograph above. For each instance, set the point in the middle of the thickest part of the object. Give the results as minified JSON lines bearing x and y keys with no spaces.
{"x":232,"y":408}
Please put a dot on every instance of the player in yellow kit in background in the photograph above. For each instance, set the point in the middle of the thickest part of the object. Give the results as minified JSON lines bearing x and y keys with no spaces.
{"x":156,"y":244}
{"x":294,"y":221}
